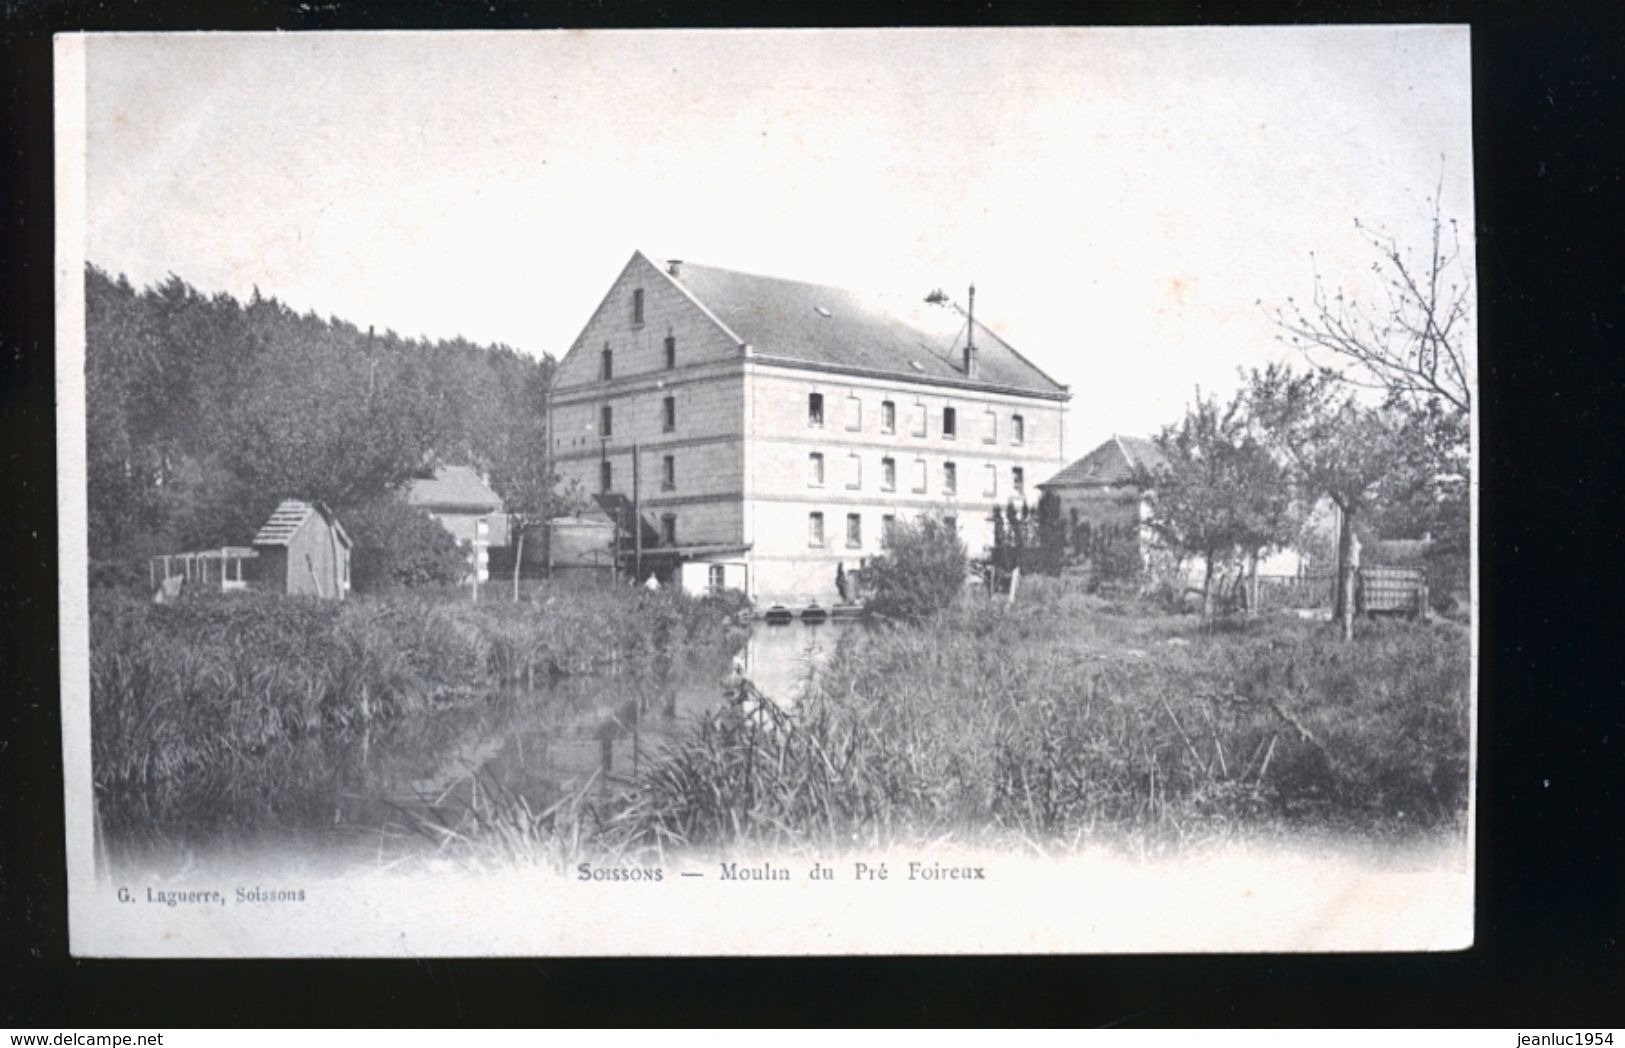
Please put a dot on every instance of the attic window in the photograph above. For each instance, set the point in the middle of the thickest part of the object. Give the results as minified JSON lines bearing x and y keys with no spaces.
{"x":821,"y":311}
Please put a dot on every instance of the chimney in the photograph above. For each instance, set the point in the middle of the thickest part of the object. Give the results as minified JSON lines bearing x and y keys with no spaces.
{"x":674,"y":267}
{"x":970,"y":337}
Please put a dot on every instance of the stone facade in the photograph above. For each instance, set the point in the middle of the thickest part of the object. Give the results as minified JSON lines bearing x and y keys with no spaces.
{"x":729,"y":450}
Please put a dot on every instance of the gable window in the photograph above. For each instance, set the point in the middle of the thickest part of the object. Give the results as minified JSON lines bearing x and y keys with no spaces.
{"x":991,"y":485}
{"x":815,"y":529}
{"x":815,"y":409}
{"x":888,"y":474}
{"x":888,"y":417}
{"x":606,"y":477}
{"x":637,"y":306}
{"x":888,"y":528}
{"x":606,"y":421}
{"x":854,"y":531}
{"x":815,"y":469}
{"x":919,"y":476}
{"x":1018,"y":480}
{"x":668,"y":529}
{"x":1018,"y":430}
{"x":671,"y":352}
{"x":854,"y":472}
{"x":668,"y":472}
{"x":854,"y":413}
{"x":950,"y":424}
{"x":668,"y":414}
{"x":606,"y":366}
{"x":918,"y":412}
{"x":992,"y":418}
{"x":715,"y":579}
{"x":950,"y":478}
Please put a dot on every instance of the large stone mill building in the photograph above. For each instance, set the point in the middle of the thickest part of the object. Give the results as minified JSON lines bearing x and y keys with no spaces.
{"x":781,"y":428}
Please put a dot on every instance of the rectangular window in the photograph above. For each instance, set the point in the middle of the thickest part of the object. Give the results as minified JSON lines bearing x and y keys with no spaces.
{"x":671,"y":352}
{"x":606,"y":364}
{"x":950,"y":424}
{"x":668,"y":529}
{"x":888,"y":474}
{"x":715,"y":579}
{"x":888,"y":528}
{"x":606,"y":421}
{"x":854,"y":414}
{"x":888,"y":417}
{"x":1018,"y":430}
{"x":950,"y":478}
{"x":919,"y":476}
{"x":990,"y":487}
{"x":1018,"y":480}
{"x":854,"y":531}
{"x":918,"y":411}
{"x":854,"y":472}
{"x":815,"y":529}
{"x":637,"y":306}
{"x":815,"y":469}
{"x":815,"y":409}
{"x":668,"y":414}
{"x":668,"y":473}
{"x":992,"y":424}
{"x":606,"y":477}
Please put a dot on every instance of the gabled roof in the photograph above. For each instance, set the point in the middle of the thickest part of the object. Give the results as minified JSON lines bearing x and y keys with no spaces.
{"x":1114,"y":462}
{"x":289,"y":517}
{"x":453,"y":487}
{"x":814,"y":324}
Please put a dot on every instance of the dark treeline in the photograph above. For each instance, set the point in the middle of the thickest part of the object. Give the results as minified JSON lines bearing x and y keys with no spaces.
{"x":204,"y":412}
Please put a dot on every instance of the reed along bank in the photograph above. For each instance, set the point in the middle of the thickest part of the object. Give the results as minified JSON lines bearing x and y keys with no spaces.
{"x":1068,"y":718}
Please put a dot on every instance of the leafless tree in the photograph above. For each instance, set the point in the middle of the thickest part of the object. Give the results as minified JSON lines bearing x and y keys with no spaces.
{"x":1410,"y":343}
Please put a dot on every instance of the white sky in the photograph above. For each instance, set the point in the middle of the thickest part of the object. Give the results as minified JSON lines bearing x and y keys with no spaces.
{"x":1121,"y":198}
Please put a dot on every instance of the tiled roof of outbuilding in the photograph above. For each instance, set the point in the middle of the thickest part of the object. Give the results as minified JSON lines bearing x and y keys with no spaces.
{"x":1114,"y":462}
{"x":826,"y":325}
{"x":453,"y":487}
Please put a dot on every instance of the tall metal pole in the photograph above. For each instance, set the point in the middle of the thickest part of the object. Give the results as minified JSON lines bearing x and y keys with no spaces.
{"x":637,"y":521}
{"x":970,"y":329}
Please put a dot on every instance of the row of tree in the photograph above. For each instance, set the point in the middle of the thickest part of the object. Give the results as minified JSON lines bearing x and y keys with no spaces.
{"x":203,"y":412}
{"x":1378,"y":425}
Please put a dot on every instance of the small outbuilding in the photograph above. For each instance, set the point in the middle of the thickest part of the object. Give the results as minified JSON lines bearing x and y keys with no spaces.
{"x":303,"y":549}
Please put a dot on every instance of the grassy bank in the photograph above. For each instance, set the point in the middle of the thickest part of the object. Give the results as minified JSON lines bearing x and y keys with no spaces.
{"x":215,"y":686}
{"x":1067,"y":718}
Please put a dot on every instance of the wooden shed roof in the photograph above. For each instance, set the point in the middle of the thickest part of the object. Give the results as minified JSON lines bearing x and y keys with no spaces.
{"x":289,"y":517}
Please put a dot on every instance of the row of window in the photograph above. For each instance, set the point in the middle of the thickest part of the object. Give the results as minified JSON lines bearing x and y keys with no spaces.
{"x":854,"y":476}
{"x":917,"y":419}
{"x":854,"y":529}
{"x":606,"y":358}
{"x":888,"y":475}
{"x":668,"y":417}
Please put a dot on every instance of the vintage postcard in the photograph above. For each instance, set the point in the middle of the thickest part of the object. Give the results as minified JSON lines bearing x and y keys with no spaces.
{"x":737,"y":492}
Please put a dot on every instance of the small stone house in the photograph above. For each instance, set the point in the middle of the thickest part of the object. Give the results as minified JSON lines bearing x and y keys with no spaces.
{"x":1098,"y":493}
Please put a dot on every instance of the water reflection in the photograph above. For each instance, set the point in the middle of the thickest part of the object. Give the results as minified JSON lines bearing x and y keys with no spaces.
{"x":378,"y":792}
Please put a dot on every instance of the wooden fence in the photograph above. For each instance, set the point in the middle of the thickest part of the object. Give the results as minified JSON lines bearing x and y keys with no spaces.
{"x":1378,"y":590}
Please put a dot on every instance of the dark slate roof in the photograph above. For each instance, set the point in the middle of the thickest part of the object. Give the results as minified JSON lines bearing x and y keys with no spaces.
{"x":815,"y":324}
{"x":453,"y":487}
{"x":1114,"y":462}
{"x":289,"y":517}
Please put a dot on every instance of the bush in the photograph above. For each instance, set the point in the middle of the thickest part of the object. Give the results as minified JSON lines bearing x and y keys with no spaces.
{"x":397,"y":544}
{"x":921,"y":571}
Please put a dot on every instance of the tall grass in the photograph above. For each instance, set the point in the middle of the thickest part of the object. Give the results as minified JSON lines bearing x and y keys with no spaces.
{"x":210,"y":687}
{"x":1064,"y":719}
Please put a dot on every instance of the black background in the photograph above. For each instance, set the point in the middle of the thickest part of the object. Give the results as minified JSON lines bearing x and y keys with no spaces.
{"x":1549,"y":111}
